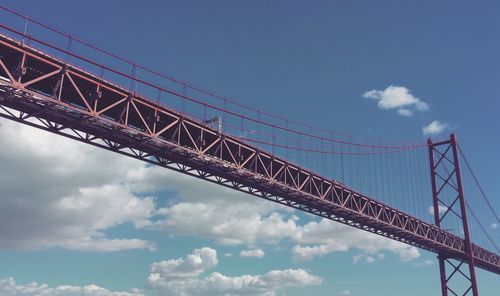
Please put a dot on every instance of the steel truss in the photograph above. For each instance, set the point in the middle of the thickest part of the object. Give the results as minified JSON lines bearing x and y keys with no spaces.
{"x":448,"y":194}
{"x":45,"y":92}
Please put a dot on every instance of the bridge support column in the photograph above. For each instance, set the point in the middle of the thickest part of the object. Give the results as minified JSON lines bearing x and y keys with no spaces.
{"x":449,"y":205}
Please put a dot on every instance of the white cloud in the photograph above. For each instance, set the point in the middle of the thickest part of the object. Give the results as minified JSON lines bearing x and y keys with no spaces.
{"x":257,"y":253}
{"x":424,"y":263}
{"x":190,"y":283}
{"x":405,"y":112}
{"x":75,"y":192}
{"x":239,"y":222}
{"x":121,"y":205}
{"x":228,"y":255}
{"x":357,"y":258}
{"x":434,"y":128}
{"x":345,"y":293}
{"x":441,"y":209}
{"x":181,"y":277}
{"x":191,"y":266}
{"x":367,"y":258}
{"x":398,"y":98}
{"x":235,"y":221}
{"x":232,"y":218}
{"x":494,"y":225}
{"x":326,"y":237}
{"x":9,"y":287}
{"x":307,"y":253}
{"x":242,"y":223}
{"x":257,"y":285}
{"x":96,"y":244}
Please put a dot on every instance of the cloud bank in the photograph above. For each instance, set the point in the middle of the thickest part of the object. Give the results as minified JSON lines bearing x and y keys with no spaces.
{"x":9,"y":287}
{"x":164,"y":277}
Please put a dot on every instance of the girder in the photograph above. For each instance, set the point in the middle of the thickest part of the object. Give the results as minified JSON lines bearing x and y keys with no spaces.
{"x":45,"y":92}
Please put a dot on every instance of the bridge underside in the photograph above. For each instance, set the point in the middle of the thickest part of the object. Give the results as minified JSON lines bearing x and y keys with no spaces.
{"x":44,"y":92}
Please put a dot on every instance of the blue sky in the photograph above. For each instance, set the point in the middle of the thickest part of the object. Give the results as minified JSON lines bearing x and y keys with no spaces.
{"x":309,"y":61}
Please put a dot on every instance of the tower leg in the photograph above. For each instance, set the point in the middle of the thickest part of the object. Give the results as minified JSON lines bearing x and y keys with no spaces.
{"x":442,"y":273}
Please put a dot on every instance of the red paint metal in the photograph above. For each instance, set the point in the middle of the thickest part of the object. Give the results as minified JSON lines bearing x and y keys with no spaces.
{"x":453,"y":181}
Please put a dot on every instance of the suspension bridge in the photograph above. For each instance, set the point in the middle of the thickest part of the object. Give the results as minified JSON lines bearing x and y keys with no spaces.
{"x":421,"y":193}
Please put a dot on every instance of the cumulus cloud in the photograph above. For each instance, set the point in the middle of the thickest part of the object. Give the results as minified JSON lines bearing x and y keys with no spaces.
{"x":307,"y":253}
{"x":9,"y":287}
{"x":238,"y":223}
{"x":181,"y":277}
{"x":75,"y":192}
{"x":324,"y":237}
{"x":397,"y":98}
{"x":441,"y":209}
{"x":232,"y":218}
{"x":434,"y":128}
{"x":367,"y":258}
{"x":257,"y":253}
{"x":163,"y":280}
{"x":405,"y":112}
{"x":494,"y":225}
{"x":191,"y":266}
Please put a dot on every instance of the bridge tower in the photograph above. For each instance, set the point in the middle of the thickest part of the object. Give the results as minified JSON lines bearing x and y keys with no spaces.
{"x":450,"y":208}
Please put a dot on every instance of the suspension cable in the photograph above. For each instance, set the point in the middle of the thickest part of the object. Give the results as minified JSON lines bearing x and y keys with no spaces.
{"x":483,"y":194}
{"x":482,"y":227}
